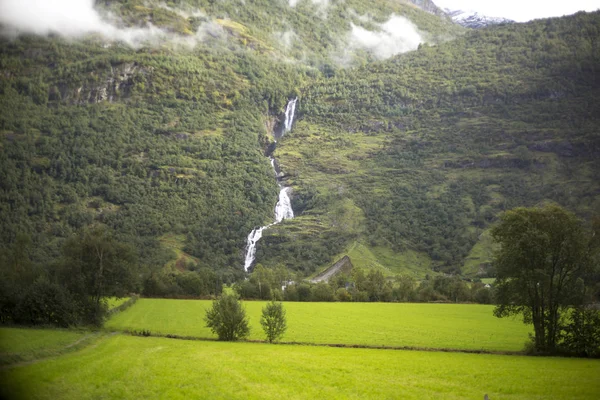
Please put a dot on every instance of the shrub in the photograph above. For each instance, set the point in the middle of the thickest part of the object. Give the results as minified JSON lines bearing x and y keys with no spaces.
{"x":322,"y":292}
{"x":273,"y":321}
{"x":227,"y":318}
{"x":581,"y":336}
{"x":290,"y":293}
{"x":46,"y":303}
{"x":304,"y":292}
{"x":342,"y":295}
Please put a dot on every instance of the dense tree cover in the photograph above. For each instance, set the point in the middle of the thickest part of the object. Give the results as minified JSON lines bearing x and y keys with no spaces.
{"x":544,"y":257}
{"x":71,"y":290}
{"x":152,"y":161}
{"x":362,"y":286}
{"x":157,"y":141}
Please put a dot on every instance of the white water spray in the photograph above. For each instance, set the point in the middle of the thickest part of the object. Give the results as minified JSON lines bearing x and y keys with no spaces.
{"x":283,"y":208}
{"x":253,"y":238}
{"x":290,"y":109}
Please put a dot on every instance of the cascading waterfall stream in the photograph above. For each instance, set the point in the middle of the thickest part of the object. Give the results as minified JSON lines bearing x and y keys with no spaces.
{"x":290,"y":109}
{"x":283,"y":209}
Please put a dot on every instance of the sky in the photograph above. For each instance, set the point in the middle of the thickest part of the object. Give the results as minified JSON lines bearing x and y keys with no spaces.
{"x":521,"y":10}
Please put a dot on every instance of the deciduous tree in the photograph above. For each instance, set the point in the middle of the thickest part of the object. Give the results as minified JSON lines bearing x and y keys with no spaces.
{"x":227,"y":318}
{"x":543,"y":257}
{"x":273,"y":321}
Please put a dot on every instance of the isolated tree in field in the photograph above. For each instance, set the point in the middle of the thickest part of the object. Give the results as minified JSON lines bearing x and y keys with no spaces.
{"x":227,"y":318}
{"x":273,"y":321}
{"x":543,"y":257}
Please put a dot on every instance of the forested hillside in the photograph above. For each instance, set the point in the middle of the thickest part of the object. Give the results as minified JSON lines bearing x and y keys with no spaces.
{"x":157,"y":129}
{"x":418,"y":154}
{"x":157,"y":125}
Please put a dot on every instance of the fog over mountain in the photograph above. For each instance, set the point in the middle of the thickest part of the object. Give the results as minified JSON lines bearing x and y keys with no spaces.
{"x":65,"y":17}
{"x":397,"y":35}
{"x":76,"y":18}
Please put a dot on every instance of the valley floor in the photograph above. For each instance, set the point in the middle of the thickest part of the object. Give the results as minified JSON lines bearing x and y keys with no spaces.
{"x":430,"y":326}
{"x":118,"y":366}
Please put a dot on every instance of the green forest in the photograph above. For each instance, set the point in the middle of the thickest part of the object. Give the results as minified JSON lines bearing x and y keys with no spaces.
{"x":156,"y":151}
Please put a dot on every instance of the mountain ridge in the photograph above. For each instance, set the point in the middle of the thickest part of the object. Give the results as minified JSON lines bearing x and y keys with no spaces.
{"x":475,"y":20}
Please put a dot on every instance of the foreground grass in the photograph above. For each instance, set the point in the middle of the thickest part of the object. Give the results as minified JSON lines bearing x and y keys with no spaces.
{"x":18,"y":344}
{"x":451,"y":326}
{"x":125,"y":367}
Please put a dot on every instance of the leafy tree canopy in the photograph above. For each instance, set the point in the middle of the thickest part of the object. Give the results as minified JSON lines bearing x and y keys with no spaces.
{"x":227,"y":318}
{"x":543,"y":258}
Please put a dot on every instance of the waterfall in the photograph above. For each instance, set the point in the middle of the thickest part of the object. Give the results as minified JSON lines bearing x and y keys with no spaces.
{"x":253,"y":238}
{"x":283,"y":208}
{"x":290,"y":109}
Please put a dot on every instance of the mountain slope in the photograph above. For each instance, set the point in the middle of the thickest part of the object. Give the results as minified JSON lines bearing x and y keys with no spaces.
{"x":401,"y":163}
{"x":421,"y":152}
{"x":157,"y":126}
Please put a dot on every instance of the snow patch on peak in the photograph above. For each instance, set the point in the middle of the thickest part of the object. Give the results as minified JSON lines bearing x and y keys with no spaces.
{"x":475,"y":20}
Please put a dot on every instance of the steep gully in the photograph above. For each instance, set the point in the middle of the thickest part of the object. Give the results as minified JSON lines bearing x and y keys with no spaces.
{"x":283,"y":209}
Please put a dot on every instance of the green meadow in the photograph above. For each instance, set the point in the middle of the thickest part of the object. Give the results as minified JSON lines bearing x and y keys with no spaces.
{"x":439,"y":326}
{"x":126,"y":367}
{"x":19,"y":344}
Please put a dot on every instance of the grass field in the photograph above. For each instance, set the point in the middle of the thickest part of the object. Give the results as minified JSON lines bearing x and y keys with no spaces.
{"x":17,"y":344}
{"x":452,"y":326}
{"x":125,"y":367}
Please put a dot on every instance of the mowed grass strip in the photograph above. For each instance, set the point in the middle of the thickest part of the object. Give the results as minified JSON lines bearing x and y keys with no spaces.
{"x":19,"y":344}
{"x":126,"y":367}
{"x":439,"y":326}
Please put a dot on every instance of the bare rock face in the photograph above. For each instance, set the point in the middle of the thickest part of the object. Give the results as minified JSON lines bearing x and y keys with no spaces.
{"x":342,"y":265}
{"x":117,"y":83}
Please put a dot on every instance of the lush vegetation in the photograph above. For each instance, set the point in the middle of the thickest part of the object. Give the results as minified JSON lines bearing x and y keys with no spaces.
{"x":420,"y":153}
{"x":115,"y":302}
{"x":20,"y":345}
{"x":402,"y":164}
{"x":162,"y":144}
{"x":273,"y":321}
{"x":227,"y":318}
{"x":358,"y":284}
{"x":127,"y":367}
{"x":140,"y":167}
{"x":432,"y":326}
{"x":543,"y":266}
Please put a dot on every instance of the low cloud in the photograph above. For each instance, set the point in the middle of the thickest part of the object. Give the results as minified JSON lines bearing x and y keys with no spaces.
{"x":286,"y":39}
{"x":77,"y":18}
{"x":397,"y":35}
{"x":64,"y":17}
